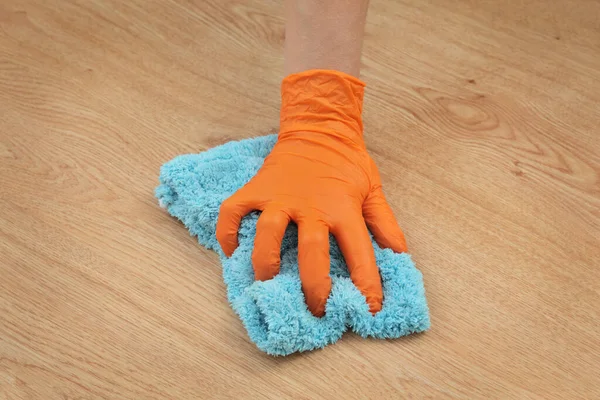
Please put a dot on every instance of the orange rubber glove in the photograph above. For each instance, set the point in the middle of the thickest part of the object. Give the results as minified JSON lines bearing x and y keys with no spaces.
{"x":320,"y":176}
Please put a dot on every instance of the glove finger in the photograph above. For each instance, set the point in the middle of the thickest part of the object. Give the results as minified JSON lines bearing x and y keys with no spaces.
{"x":270,"y":229}
{"x":313,"y":260}
{"x":382,"y":223}
{"x":231,"y":213}
{"x":355,"y":243}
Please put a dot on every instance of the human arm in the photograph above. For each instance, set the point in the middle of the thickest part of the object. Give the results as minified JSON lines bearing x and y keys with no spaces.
{"x":319,"y":174}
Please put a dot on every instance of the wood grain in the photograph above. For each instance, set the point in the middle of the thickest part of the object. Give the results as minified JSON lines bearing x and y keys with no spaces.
{"x":483,"y":118}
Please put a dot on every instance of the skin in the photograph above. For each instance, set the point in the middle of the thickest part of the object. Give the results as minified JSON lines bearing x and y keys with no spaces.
{"x":324,"y":34}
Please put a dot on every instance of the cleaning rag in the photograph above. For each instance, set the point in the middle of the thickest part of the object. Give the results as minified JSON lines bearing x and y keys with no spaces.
{"x":274,"y":313}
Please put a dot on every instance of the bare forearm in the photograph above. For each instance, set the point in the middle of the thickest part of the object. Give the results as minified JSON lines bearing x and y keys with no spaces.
{"x":324,"y":34}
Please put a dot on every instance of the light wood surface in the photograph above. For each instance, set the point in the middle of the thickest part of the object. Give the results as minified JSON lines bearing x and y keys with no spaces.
{"x":484,"y":119}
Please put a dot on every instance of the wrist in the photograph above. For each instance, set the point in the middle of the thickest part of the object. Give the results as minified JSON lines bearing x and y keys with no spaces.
{"x":324,"y":101}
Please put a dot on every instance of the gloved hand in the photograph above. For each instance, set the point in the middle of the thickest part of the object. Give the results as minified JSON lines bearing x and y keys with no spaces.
{"x":320,"y":176}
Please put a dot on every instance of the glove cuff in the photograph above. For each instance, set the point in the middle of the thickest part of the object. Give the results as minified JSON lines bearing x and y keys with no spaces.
{"x":323,"y":101}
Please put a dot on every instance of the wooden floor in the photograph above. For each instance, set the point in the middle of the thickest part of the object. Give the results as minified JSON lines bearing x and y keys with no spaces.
{"x":484,"y":119}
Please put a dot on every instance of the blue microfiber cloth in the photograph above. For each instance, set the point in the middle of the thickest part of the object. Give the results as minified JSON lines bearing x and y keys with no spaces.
{"x":274,"y":313}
